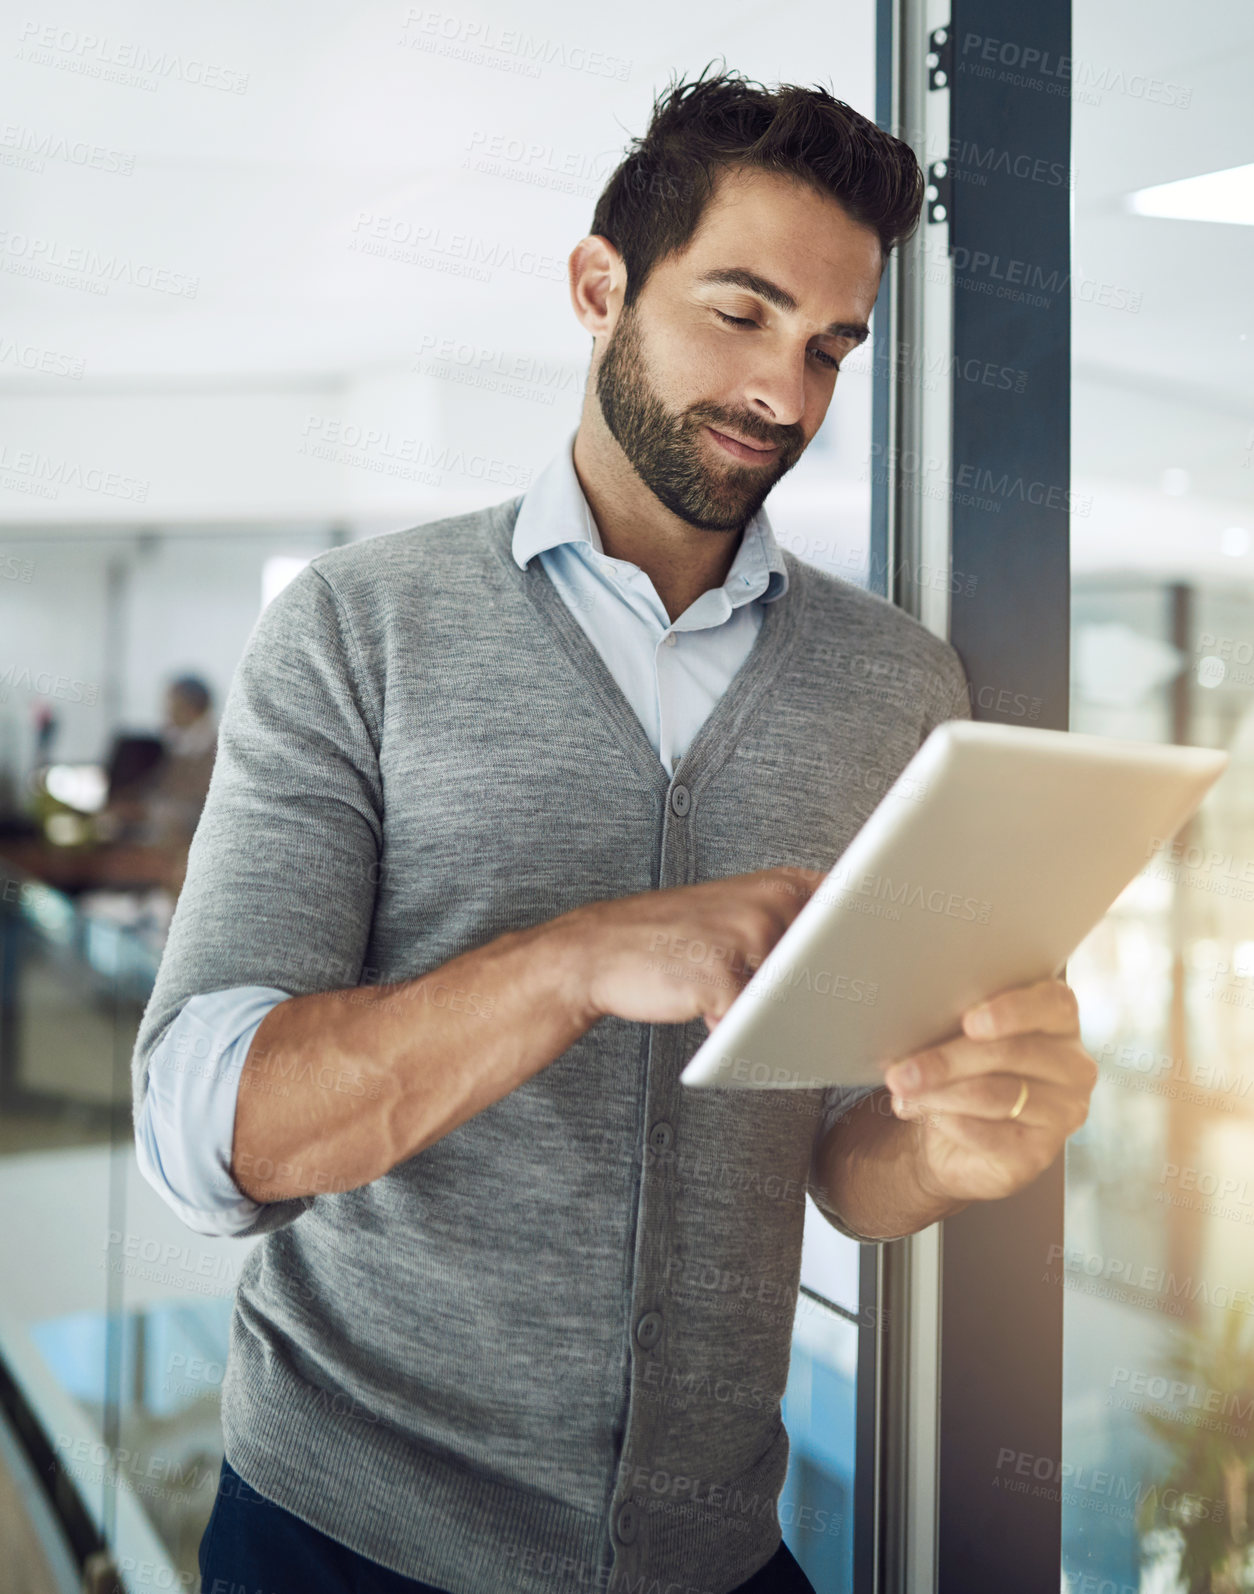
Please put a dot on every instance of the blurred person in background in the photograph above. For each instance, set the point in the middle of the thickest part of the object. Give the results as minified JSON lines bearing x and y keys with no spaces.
{"x":160,"y":804}
{"x":190,"y":734}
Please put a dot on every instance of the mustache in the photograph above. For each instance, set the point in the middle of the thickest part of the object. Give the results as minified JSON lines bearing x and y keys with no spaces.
{"x":786,"y":441}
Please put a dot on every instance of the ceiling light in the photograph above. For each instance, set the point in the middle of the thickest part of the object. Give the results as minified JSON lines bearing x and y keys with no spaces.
{"x":1215,"y":196}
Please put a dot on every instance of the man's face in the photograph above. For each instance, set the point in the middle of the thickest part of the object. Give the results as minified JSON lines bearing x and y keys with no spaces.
{"x":178,"y":710}
{"x":694,"y":354}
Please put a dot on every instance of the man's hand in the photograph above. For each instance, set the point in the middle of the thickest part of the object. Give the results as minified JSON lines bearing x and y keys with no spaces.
{"x":970,"y":1149}
{"x":685,"y":952}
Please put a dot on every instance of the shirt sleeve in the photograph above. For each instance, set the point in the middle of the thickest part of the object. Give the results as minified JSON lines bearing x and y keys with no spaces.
{"x":837,"y":1100}
{"x":282,"y":871}
{"x":186,"y":1124}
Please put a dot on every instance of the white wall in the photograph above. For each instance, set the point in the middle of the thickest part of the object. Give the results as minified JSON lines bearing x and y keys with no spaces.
{"x":154,"y":420}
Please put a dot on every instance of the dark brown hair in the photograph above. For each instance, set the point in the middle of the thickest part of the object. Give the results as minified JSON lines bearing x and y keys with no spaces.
{"x":654,"y":201}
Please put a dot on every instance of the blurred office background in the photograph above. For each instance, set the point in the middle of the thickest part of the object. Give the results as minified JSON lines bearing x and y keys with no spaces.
{"x":298,"y":277}
{"x":303,"y":281}
{"x":1158,"y":1417}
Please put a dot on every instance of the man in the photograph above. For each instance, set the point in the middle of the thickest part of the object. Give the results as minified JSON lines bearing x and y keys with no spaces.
{"x":177,"y":797}
{"x":164,"y":804}
{"x":160,"y":806}
{"x":482,"y":787}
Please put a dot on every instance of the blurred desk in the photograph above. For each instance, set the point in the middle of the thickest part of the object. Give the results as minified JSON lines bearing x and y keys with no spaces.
{"x":75,"y":973}
{"x":74,"y":869}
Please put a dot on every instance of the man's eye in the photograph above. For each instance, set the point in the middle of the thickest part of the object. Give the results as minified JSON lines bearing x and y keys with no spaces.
{"x":744,"y":321}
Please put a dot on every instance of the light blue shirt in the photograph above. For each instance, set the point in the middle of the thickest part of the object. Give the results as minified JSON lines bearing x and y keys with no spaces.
{"x":672,"y":674}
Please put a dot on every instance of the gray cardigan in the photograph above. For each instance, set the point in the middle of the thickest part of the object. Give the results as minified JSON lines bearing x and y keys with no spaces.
{"x":546,"y":1354}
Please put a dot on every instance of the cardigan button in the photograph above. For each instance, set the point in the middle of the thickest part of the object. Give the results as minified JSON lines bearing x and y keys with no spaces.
{"x":661,"y":1135}
{"x":627,"y":1522}
{"x":648,"y":1330}
{"x":681,"y":800}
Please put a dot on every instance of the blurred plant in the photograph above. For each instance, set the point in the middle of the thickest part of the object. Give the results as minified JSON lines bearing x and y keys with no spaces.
{"x":1203,"y":1509}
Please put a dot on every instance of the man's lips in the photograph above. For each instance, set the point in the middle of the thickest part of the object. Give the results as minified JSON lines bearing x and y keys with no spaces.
{"x":744,"y":451}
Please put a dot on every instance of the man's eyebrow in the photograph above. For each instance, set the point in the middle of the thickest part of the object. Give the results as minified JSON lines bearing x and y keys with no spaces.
{"x":739,"y":277}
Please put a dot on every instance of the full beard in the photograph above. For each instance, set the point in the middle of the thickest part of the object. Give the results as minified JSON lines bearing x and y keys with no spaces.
{"x":665,"y":450}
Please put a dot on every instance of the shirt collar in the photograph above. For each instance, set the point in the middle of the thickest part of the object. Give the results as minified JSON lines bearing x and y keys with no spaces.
{"x":554,"y":511}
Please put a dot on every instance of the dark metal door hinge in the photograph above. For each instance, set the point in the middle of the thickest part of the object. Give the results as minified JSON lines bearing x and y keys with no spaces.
{"x":940,"y":57}
{"x":940,"y":191}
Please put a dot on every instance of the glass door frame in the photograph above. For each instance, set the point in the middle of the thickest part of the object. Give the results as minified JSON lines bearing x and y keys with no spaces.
{"x":963,"y":1364}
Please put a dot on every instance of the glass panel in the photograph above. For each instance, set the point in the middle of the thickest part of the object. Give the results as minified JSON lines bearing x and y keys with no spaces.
{"x":1158,"y":1422}
{"x":115,"y":1316}
{"x":816,"y":1506}
{"x":62,"y":1103}
{"x":204,"y":444}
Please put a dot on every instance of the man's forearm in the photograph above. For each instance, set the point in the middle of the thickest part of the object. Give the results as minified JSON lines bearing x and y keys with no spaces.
{"x":340,"y":1086}
{"x":869,"y":1173}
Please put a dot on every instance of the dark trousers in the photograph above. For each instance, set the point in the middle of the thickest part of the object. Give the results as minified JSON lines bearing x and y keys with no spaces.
{"x":253,"y":1544}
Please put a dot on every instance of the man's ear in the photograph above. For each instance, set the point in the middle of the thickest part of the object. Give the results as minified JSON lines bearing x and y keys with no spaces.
{"x":597,"y":276}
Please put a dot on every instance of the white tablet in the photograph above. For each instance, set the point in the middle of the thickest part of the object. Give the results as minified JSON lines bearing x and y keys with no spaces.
{"x":988,"y":861}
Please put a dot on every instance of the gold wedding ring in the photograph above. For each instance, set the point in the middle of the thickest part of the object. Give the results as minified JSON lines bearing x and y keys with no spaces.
{"x":1022,"y":1101}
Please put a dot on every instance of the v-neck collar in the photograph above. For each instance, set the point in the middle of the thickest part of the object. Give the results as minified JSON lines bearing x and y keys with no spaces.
{"x":714,"y":742}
